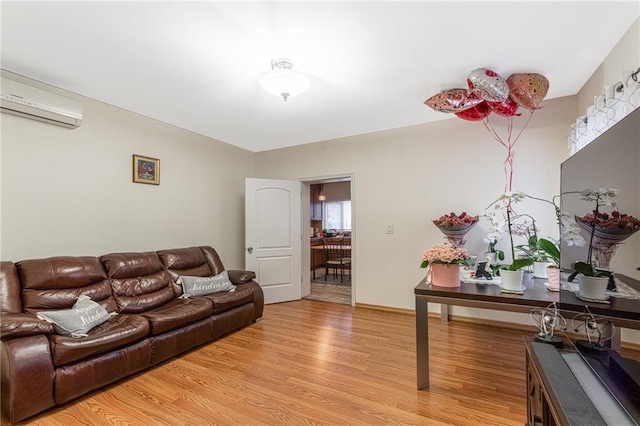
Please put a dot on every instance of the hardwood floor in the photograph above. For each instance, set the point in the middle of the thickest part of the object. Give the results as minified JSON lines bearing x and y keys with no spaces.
{"x":316,"y":363}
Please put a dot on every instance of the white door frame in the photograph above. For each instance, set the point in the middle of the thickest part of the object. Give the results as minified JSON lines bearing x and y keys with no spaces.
{"x":306,"y":234}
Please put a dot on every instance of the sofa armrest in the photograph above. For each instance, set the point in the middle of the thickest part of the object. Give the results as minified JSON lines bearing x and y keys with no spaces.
{"x":22,"y":325}
{"x":241,"y":277}
{"x":27,"y":375}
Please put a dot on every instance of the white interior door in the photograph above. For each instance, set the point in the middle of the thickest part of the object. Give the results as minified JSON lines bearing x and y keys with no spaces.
{"x":273,"y":236}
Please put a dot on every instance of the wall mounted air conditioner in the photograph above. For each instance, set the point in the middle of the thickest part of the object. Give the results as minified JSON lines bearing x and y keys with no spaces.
{"x":37,"y":104}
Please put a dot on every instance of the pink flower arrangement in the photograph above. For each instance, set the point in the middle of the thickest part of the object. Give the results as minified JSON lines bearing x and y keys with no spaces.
{"x":444,"y":253}
{"x":452,"y":220}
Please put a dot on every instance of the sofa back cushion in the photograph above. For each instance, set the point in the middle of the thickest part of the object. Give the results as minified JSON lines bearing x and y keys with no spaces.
{"x":138,"y":280}
{"x":10,"y":301}
{"x":56,"y":283}
{"x":212,"y":259}
{"x":185,"y":261}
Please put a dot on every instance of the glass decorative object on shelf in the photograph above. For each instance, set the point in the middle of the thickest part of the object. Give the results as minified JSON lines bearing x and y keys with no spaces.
{"x":548,"y":321}
{"x":616,"y":101}
{"x":455,"y":227}
{"x":596,"y":330}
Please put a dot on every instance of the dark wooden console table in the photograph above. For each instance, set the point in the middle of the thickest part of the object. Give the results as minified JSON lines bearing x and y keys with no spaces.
{"x":489,"y":296}
{"x":563,"y":388}
{"x":486,"y":296}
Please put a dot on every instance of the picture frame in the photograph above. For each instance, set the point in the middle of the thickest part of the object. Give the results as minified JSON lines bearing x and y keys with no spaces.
{"x":146,"y":170}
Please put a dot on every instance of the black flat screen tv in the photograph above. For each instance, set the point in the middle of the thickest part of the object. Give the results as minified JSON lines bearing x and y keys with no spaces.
{"x":612,"y":160}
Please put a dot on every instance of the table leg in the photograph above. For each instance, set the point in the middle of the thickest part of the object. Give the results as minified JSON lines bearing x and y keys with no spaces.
{"x":444,"y":312}
{"x":422,"y":342}
{"x":616,"y":340}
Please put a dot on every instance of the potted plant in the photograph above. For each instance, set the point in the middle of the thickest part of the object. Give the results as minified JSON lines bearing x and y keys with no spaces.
{"x":544,"y":253}
{"x":593,"y":281}
{"x":531,"y":249}
{"x":551,"y":251}
{"x":443,"y":264}
{"x":510,"y":275}
{"x":545,"y":250}
{"x":493,"y":254}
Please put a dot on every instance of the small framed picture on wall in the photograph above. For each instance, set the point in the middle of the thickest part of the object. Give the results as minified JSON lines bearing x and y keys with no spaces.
{"x":146,"y":170}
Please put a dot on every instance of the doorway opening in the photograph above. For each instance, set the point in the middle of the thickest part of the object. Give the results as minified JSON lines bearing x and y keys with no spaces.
{"x":330,"y":240}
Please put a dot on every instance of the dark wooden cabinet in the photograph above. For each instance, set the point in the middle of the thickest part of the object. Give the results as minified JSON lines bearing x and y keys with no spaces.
{"x":554,"y":395}
{"x":538,"y":410}
{"x":316,"y":205}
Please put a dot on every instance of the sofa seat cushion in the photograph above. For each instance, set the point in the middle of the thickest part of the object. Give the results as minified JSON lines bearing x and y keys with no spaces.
{"x":177,"y":313}
{"x":223,"y":302}
{"x":119,"y":331}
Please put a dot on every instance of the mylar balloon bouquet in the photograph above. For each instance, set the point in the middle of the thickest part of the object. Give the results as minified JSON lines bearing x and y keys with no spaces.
{"x":488,"y":85}
{"x":488,"y":92}
{"x":453,"y":100}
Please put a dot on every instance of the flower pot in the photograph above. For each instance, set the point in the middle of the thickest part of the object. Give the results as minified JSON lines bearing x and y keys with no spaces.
{"x":511,"y":280}
{"x":540,"y":269}
{"x":593,"y":287}
{"x":553,"y":278}
{"x":444,"y":274}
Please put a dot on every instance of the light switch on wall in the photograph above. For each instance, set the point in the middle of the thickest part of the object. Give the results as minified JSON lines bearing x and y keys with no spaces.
{"x":389,"y":229}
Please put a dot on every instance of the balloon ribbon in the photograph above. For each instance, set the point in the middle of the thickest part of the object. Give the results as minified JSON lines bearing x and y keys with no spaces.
{"x":509,"y":144}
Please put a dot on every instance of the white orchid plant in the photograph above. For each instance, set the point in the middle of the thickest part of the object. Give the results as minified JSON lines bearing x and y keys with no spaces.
{"x":525,"y":225}
{"x":569,"y":230}
{"x":603,"y":197}
{"x":508,"y":223}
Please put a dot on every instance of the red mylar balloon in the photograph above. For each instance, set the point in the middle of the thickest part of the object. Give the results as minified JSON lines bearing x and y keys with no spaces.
{"x":528,"y":90}
{"x":488,"y":85}
{"x":476,"y":113}
{"x":505,"y":108}
{"x":453,"y":100}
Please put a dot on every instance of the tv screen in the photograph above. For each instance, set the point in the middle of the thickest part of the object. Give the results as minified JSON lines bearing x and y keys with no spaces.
{"x":611,"y":161}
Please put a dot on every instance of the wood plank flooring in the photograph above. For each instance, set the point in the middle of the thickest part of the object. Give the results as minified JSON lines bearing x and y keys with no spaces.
{"x":318,"y":363}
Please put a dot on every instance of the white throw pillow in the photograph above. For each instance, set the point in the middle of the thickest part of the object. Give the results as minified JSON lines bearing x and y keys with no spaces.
{"x":77,"y":321}
{"x":200,"y":286}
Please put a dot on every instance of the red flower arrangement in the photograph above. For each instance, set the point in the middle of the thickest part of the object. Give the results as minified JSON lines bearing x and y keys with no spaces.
{"x":455,"y":227}
{"x":452,"y":220}
{"x":612,"y":221}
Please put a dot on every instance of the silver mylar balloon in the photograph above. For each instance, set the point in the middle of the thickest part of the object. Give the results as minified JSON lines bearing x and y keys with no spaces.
{"x":488,"y":85}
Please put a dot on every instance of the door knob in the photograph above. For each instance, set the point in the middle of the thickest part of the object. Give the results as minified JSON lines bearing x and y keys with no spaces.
{"x":250,"y":250}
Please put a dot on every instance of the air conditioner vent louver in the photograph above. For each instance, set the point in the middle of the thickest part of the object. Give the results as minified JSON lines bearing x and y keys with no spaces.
{"x":37,"y":104}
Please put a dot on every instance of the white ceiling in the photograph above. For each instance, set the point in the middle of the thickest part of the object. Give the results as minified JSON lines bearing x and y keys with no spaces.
{"x":372,"y":64}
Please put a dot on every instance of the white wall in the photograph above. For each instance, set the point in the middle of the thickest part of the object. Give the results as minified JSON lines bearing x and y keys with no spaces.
{"x":411,"y":175}
{"x":70,"y":192}
{"x":624,"y":56}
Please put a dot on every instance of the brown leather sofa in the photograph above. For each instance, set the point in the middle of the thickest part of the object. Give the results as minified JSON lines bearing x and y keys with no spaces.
{"x":41,"y":369}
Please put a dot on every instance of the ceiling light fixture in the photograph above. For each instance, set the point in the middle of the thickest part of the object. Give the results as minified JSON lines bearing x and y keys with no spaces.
{"x":281,"y":80}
